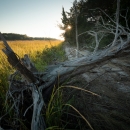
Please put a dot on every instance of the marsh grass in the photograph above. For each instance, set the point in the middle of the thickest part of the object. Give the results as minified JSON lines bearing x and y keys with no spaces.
{"x":55,"y":110}
{"x":41,"y":52}
{"x":35,"y":50}
{"x":58,"y":114}
{"x":70,"y":107}
{"x":52,"y":55}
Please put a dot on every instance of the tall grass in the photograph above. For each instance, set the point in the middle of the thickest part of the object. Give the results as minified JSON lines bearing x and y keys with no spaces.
{"x":58,"y":111}
{"x":41,"y":52}
{"x":35,"y":50}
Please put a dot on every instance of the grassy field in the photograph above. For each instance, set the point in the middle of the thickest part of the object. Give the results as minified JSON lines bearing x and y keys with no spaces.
{"x":70,"y":107}
{"x":41,"y":53}
{"x":30,"y":47}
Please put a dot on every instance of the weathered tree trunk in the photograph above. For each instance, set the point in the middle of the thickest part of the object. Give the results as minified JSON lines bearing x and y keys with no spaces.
{"x":42,"y":87}
{"x":24,"y":66}
{"x":117,"y":22}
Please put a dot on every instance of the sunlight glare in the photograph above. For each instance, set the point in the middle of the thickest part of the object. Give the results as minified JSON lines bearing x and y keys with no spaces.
{"x":69,"y":27}
{"x":52,"y":32}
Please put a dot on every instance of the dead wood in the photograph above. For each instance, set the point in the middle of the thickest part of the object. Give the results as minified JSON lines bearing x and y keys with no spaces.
{"x":15,"y":61}
{"x":41,"y":84}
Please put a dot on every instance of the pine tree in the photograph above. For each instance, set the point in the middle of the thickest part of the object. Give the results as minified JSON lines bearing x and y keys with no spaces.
{"x":64,"y":18}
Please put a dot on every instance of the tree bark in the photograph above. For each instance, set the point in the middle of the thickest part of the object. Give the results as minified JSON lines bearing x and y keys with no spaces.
{"x":42,"y":87}
{"x":117,"y":22}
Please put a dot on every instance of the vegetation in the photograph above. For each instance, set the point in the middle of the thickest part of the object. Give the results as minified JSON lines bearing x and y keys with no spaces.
{"x":33,"y":48}
{"x":42,"y":53}
{"x":108,"y":107}
{"x":37,"y":50}
{"x":89,"y":16}
{"x":13,"y":36}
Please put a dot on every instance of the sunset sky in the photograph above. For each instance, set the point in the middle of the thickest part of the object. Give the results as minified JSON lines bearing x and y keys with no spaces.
{"x":36,"y":18}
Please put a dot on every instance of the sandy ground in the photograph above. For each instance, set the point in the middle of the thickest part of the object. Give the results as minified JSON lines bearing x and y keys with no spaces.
{"x":71,"y":53}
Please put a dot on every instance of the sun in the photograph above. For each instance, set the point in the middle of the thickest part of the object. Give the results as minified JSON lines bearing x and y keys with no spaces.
{"x":69,"y":27}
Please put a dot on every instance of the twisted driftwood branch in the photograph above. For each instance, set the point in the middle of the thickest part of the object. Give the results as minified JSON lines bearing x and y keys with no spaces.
{"x":24,"y":66}
{"x":42,"y":84}
{"x":16,"y":63}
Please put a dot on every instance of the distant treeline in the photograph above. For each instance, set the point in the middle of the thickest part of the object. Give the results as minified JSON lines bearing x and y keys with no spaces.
{"x":13,"y":36}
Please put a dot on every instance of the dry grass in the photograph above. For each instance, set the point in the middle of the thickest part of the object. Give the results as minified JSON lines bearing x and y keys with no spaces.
{"x":30,"y":47}
{"x":34,"y":48}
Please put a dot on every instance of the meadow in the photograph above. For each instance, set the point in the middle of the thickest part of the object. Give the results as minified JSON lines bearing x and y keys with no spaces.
{"x":41,"y":53}
{"x":30,"y":47}
{"x":33,"y":48}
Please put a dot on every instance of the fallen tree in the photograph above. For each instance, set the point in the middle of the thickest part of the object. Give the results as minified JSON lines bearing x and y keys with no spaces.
{"x":41,"y":84}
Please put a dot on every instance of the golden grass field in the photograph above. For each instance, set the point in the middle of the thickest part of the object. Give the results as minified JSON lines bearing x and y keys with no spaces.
{"x":34,"y":48}
{"x":29,"y":47}
{"x":26,"y":47}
